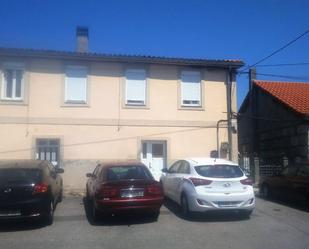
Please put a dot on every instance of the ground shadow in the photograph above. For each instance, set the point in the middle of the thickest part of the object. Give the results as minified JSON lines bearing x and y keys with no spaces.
{"x":209,"y":216}
{"x":14,"y":225}
{"x":123,"y":219}
{"x":23,"y":224}
{"x":295,"y":204}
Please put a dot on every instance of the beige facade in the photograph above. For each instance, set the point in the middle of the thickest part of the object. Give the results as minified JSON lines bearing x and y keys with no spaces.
{"x":105,"y":128}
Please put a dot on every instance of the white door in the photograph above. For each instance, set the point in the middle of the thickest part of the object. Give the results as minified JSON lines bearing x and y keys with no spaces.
{"x":153,"y":155}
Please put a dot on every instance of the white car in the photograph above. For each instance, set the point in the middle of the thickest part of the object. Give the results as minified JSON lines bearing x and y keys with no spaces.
{"x":202,"y":184}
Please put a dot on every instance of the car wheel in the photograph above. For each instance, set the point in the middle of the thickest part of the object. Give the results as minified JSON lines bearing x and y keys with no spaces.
{"x":49,"y":216}
{"x":265,"y":191}
{"x":96,"y":215}
{"x":60,"y":196}
{"x":184,"y":206}
{"x":88,"y":199}
{"x":155,"y":215}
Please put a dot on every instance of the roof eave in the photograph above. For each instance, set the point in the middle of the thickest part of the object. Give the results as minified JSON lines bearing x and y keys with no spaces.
{"x":50,"y":54}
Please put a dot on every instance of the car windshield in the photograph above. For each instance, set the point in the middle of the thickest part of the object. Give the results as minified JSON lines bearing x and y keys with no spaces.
{"x":127,"y":173}
{"x":219,"y":171}
{"x":19,"y":175}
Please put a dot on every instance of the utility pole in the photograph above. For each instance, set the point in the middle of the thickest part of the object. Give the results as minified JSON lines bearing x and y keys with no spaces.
{"x":252,"y":76}
{"x":254,"y":157}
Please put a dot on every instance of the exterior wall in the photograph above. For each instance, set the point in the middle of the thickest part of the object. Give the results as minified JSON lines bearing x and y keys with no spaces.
{"x":105,"y":129}
{"x":281,"y":135}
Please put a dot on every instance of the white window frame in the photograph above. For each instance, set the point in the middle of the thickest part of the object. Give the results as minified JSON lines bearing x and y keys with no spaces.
{"x":199,"y":104}
{"x":14,"y":66}
{"x":66,"y":95}
{"x":129,"y":102}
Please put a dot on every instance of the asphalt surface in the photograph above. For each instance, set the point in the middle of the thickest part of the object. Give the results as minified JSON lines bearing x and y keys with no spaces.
{"x":272,"y":225}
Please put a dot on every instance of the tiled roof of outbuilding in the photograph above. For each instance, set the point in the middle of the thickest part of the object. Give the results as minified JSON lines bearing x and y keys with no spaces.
{"x":295,"y":95}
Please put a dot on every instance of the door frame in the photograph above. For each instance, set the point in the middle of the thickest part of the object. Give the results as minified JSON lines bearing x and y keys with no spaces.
{"x":59,"y":138}
{"x":161,"y":141}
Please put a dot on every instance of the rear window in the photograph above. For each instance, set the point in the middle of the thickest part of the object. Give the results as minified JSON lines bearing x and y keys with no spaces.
{"x":127,"y":173}
{"x":219,"y":171}
{"x":19,"y":175}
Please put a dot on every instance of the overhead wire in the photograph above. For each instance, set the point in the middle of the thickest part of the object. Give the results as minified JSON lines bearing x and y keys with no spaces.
{"x":276,"y":51}
{"x":284,"y":64}
{"x":290,"y":77}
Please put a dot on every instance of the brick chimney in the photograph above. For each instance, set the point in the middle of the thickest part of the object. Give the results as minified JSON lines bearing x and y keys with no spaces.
{"x":82,"y":39}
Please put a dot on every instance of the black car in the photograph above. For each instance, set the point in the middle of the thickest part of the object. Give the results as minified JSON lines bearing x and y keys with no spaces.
{"x":29,"y":188}
{"x":291,"y":184}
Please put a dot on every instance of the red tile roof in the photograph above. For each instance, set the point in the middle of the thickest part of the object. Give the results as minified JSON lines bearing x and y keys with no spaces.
{"x":293,"y":94}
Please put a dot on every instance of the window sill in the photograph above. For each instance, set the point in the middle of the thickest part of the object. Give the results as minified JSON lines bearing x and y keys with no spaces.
{"x":69,"y":104}
{"x":135,"y":107}
{"x":191,"y":108}
{"x":12,"y":102}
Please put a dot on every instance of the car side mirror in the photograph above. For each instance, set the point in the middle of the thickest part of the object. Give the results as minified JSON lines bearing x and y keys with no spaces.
{"x":165,"y":170}
{"x":89,"y":175}
{"x":59,"y":170}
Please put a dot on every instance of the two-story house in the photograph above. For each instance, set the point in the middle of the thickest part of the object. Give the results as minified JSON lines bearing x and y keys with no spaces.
{"x":79,"y":108}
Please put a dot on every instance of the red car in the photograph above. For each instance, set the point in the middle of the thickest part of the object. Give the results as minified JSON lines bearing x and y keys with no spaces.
{"x":125,"y":186}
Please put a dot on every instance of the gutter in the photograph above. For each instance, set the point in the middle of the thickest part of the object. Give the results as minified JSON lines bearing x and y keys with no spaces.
{"x":53,"y":54}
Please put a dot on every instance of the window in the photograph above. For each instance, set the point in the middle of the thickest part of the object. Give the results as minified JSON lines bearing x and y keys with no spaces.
{"x":157,"y":151}
{"x":184,"y":168}
{"x":13,"y":82}
{"x":135,"y":87}
{"x":304,"y":170}
{"x":190,"y":88}
{"x":219,"y":171}
{"x":48,"y":149}
{"x":76,"y":85}
{"x":20,"y":175}
{"x":174,"y":167}
{"x":96,"y":170}
{"x":144,"y":150}
{"x":127,"y":172}
{"x":289,"y":171}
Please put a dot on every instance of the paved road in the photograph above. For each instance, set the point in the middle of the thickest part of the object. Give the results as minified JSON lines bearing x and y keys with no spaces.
{"x":271,"y":226}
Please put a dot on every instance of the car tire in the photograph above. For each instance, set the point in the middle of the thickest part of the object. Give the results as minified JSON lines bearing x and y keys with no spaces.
{"x":265,"y":191}
{"x":155,"y":215}
{"x":184,"y":206}
{"x":96,"y":215}
{"x":48,"y":218}
{"x":88,"y":199}
{"x":60,"y":195}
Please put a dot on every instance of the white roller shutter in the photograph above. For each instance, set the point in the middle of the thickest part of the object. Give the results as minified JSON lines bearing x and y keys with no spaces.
{"x":190,"y":88}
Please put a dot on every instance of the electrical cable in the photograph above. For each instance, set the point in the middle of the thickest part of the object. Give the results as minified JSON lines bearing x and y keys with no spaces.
{"x":277,"y":50}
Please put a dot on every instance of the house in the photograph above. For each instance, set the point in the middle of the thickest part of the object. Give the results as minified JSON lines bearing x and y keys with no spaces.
{"x":273,"y":124}
{"x":80,"y":108}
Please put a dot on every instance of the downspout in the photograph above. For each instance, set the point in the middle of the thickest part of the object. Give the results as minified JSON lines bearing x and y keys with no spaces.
{"x":218,"y":126}
{"x":229,"y":111}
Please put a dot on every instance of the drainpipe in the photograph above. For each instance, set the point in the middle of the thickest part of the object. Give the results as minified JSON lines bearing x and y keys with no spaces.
{"x":218,"y":126}
{"x":229,"y":111}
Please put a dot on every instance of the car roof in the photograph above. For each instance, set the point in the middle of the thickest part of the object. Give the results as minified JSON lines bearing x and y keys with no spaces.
{"x":22,"y":164}
{"x":124,"y":163}
{"x":209,"y":161}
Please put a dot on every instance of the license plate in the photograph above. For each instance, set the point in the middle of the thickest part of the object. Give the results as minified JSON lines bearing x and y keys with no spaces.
{"x":9,"y":213}
{"x":131,"y":193}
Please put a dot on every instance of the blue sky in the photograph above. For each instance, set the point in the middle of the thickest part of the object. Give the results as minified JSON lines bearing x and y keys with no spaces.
{"x":218,"y":29}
